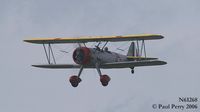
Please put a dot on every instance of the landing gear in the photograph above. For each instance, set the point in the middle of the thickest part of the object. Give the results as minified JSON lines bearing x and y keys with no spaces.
{"x":132,"y":70}
{"x":74,"y":80}
{"x":104,"y":79}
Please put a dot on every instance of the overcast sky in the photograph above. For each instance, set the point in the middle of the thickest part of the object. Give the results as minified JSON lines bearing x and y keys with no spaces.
{"x":28,"y":89}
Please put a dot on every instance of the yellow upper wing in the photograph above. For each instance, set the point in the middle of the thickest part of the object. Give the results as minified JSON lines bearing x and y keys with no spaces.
{"x":95,"y":39}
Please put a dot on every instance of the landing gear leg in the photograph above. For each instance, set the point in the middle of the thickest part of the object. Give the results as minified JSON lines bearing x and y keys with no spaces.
{"x":75,"y":80}
{"x":98,"y":69}
{"x":104,"y":79}
{"x":80,"y":71}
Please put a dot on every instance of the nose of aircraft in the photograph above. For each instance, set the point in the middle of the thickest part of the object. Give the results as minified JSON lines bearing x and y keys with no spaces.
{"x":81,"y":55}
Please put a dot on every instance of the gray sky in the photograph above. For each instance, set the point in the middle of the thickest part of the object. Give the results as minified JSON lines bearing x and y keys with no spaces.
{"x":24,"y":88}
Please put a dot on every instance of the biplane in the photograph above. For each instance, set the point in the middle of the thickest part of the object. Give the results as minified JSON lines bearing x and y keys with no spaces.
{"x":99,"y":57}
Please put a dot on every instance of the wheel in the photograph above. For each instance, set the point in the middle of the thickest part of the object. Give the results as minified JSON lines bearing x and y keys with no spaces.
{"x":104,"y":80}
{"x":74,"y":84}
{"x":74,"y":80}
{"x":132,"y":71}
{"x":104,"y":84}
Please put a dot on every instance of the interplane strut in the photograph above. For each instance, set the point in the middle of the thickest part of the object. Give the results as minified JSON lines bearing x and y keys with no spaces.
{"x":49,"y":54}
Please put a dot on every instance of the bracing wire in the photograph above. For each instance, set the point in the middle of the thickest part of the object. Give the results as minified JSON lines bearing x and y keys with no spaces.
{"x":122,"y":47}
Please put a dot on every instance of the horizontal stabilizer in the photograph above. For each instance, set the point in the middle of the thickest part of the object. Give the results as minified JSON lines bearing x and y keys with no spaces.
{"x":132,"y":58}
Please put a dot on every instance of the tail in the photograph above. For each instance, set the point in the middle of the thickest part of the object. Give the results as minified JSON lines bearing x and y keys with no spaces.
{"x":131,"y":50}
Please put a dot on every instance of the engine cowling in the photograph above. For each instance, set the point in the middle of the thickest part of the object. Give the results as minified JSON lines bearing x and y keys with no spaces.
{"x":81,"y":55}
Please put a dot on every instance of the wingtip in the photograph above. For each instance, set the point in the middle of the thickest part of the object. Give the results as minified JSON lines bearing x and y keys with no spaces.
{"x":34,"y":65}
{"x":26,"y":41}
{"x":33,"y":41}
{"x":164,"y":63}
{"x":161,"y":36}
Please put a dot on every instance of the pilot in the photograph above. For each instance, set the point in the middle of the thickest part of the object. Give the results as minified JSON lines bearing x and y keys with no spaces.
{"x":106,"y":50}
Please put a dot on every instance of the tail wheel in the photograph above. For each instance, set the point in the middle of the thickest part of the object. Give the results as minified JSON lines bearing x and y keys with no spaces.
{"x":104,"y":80}
{"x":74,"y":80}
{"x":132,"y":71}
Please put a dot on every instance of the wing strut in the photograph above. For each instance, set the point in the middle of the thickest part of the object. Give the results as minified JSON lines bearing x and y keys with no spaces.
{"x":145,"y":54}
{"x":104,"y":45}
{"x":49,"y":54}
{"x":137,"y":49}
{"x":140,"y":48}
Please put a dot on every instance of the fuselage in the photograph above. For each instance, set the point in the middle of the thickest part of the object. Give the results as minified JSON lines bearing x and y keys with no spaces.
{"x":91,"y":56}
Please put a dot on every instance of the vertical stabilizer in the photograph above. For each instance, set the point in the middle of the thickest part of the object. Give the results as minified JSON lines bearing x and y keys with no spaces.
{"x":131,"y":50}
